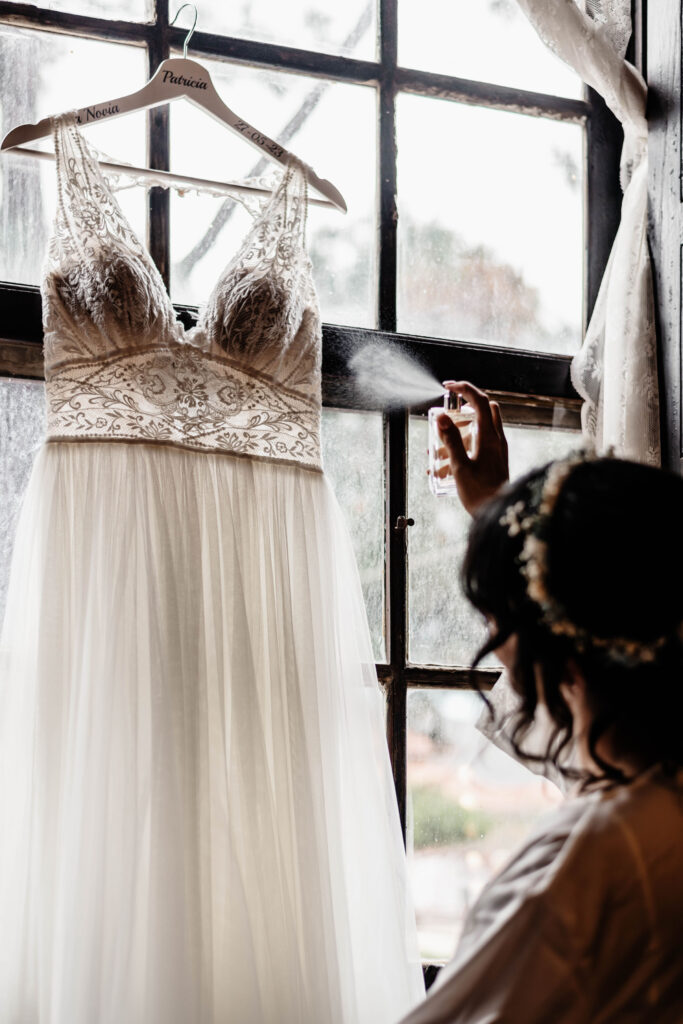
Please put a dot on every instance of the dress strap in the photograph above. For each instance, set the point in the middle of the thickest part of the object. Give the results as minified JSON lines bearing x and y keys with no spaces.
{"x":101,"y":291}
{"x":88,"y":215}
{"x":291,"y":199}
{"x":258,"y":304}
{"x":279,"y":219}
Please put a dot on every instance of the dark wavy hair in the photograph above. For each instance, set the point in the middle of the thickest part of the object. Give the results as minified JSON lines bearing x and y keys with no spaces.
{"x":615,"y":564}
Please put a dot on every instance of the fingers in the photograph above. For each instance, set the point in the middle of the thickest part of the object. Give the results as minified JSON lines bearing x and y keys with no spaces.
{"x":453,"y":442}
{"x":502,"y":439}
{"x":477,"y":399}
{"x":498,"y":422}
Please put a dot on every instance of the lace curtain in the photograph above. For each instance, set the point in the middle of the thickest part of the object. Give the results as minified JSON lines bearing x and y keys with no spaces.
{"x":615,"y":371}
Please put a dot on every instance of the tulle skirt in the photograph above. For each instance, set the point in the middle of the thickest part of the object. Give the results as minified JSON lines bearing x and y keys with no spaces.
{"x":197,"y":820}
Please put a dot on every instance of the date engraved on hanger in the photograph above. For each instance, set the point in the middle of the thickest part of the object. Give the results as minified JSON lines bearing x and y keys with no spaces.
{"x":260,"y":140}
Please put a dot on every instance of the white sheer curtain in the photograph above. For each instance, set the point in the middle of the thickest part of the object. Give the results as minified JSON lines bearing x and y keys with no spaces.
{"x":615,"y":371}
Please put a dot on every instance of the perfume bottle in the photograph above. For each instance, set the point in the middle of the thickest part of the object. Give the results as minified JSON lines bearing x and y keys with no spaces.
{"x":440,"y":477}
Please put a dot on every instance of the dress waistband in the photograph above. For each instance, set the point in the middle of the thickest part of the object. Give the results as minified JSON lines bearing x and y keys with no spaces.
{"x":184,"y":398}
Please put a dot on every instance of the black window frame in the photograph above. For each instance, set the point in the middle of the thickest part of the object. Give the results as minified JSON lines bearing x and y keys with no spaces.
{"x":529,"y":383}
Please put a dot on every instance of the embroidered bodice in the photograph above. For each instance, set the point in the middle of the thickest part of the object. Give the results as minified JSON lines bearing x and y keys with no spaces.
{"x":119,"y":366}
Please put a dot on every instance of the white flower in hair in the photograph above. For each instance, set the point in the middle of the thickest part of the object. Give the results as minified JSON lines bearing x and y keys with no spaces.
{"x":511,"y":518}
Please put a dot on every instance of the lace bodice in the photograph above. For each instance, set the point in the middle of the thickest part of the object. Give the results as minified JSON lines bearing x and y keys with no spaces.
{"x":119,"y":366}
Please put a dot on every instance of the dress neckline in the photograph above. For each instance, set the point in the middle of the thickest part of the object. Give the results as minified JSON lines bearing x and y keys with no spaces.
{"x":89,"y":161}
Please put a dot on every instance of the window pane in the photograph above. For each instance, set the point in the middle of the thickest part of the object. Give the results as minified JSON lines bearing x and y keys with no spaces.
{"x":353,"y":452}
{"x":444,"y":629}
{"x":22,"y":426}
{"x":126,"y":10}
{"x":491,"y":225}
{"x":43,"y":73}
{"x":329,"y":125}
{"x":469,"y":807}
{"x":488,"y":40}
{"x":349,"y":28}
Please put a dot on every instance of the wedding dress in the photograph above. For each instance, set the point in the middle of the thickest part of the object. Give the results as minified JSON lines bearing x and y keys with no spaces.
{"x":197,"y":820}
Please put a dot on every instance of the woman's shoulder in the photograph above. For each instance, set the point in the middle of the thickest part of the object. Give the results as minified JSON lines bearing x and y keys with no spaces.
{"x":583,"y":923}
{"x":532,"y":873}
{"x":643,"y":819}
{"x":620,"y":848}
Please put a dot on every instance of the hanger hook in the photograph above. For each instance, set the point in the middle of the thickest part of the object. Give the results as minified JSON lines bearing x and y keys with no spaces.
{"x":194,"y":25}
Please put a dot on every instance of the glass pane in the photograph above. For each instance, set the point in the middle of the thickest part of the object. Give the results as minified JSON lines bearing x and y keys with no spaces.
{"x":488,"y":40}
{"x":22,"y":426}
{"x":43,"y":73}
{"x":349,"y":28}
{"x":490,"y":227}
{"x":469,"y":807}
{"x":444,"y":629}
{"x":126,"y":10}
{"x":329,"y":125}
{"x":353,"y":452}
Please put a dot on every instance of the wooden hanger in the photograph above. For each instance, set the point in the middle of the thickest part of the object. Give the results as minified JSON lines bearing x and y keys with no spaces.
{"x":175,"y":78}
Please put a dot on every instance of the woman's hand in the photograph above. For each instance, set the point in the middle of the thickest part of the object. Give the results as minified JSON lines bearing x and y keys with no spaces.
{"x":479,"y":476}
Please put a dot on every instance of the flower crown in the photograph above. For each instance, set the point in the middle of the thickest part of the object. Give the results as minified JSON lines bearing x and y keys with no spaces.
{"x":533,"y":519}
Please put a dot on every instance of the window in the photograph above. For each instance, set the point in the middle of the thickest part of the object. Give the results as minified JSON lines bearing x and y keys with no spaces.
{"x":482,"y":183}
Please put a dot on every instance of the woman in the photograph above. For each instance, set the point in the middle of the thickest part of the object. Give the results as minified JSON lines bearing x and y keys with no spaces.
{"x":577,"y":568}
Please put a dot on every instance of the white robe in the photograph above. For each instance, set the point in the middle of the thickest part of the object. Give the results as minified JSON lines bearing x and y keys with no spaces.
{"x":583,"y":926}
